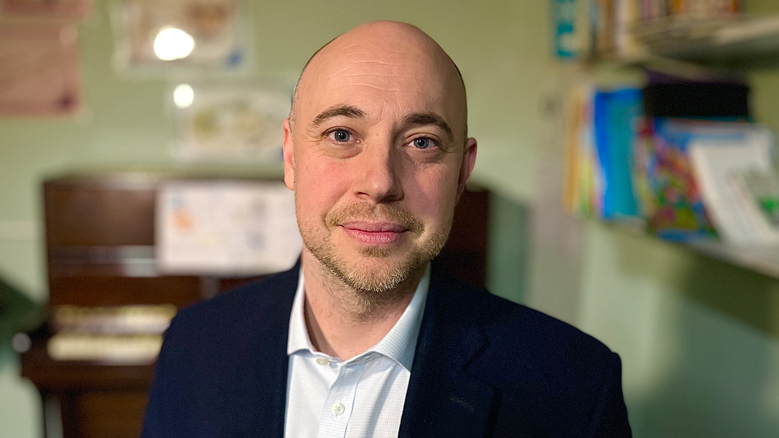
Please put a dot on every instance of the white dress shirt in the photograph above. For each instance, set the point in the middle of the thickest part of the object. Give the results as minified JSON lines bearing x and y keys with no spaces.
{"x":361,"y":397}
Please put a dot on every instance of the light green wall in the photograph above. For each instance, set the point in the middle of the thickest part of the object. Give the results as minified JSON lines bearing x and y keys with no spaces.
{"x":698,"y":338}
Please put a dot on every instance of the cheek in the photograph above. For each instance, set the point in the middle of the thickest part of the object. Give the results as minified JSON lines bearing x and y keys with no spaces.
{"x":432,"y":195}
{"x":318,"y":186}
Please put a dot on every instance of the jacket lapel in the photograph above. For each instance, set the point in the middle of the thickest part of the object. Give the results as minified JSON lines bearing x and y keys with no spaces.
{"x":443,"y":399}
{"x":263,"y":379}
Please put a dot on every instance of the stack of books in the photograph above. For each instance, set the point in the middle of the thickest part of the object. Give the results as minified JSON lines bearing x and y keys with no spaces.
{"x":680,"y":178}
{"x":630,"y":29}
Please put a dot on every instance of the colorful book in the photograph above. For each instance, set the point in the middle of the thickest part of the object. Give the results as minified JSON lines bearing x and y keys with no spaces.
{"x":671,"y":199}
{"x":616,"y":117}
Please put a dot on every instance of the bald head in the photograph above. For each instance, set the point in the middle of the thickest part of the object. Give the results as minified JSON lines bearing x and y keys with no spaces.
{"x":387,"y":45}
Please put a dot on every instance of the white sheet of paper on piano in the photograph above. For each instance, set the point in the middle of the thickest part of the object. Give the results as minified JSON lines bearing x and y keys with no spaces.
{"x":226,"y":227}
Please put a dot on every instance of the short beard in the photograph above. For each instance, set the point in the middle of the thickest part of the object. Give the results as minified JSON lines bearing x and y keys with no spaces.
{"x":376,"y":287}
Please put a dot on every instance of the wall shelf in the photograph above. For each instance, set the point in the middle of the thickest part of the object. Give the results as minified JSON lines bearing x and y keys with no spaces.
{"x":763,"y":260}
{"x":735,"y":44}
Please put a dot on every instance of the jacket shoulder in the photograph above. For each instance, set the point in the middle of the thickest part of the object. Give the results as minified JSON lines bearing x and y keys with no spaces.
{"x":257,"y":300}
{"x":536,"y":344}
{"x":566,"y":381}
{"x":545,"y":377}
{"x":206,"y":381}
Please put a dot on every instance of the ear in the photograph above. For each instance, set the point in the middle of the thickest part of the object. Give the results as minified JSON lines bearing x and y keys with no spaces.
{"x":466,"y":167}
{"x":289,"y":157}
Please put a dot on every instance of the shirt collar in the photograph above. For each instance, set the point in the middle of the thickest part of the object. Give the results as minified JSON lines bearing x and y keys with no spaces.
{"x":399,"y":344}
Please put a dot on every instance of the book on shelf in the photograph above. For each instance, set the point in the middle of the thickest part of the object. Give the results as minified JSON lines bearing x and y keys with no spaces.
{"x":579,"y":185}
{"x":758,"y":196}
{"x":615,"y":114}
{"x":718,"y":155}
{"x":670,"y":198}
{"x":717,"y":98}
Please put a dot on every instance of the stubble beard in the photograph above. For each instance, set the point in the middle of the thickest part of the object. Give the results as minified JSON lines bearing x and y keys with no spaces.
{"x":374,"y":283}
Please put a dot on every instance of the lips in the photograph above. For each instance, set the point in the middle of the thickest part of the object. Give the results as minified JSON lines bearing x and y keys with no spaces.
{"x":374,"y":233}
{"x":375,"y":227}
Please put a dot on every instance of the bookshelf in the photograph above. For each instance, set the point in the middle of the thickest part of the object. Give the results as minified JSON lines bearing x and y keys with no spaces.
{"x":762,"y":260}
{"x":710,"y":48}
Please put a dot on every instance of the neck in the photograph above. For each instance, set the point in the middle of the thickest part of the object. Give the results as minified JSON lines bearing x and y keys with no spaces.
{"x":342,"y":321}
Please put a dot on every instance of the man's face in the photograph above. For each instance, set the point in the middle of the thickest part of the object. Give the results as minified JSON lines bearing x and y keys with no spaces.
{"x":377,"y":158}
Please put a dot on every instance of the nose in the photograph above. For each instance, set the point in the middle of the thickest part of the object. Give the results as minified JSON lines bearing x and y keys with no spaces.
{"x":379,"y":174}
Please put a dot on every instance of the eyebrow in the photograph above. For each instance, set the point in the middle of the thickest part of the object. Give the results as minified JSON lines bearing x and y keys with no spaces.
{"x":429,"y":119}
{"x":349,"y":111}
{"x":416,"y":119}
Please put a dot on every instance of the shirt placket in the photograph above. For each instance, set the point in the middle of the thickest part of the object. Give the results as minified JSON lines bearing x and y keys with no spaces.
{"x":339,"y":402}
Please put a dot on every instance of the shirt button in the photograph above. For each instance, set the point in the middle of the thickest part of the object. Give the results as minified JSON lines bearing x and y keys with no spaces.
{"x":322,"y":361}
{"x":338,"y":409}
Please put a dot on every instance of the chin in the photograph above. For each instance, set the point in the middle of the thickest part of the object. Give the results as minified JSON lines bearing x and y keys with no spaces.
{"x":374,"y":270}
{"x":379,"y":275}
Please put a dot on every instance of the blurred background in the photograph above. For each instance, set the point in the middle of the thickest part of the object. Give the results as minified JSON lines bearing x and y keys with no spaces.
{"x":123,"y":93}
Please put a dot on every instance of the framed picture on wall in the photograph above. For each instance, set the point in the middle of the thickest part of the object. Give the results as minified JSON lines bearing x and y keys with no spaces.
{"x":159,"y":36}
{"x":231,"y":124}
{"x":68,"y":10}
{"x":39,"y":71}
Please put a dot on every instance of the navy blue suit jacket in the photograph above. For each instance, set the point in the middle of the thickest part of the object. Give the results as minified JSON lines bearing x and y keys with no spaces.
{"x":484,"y":367}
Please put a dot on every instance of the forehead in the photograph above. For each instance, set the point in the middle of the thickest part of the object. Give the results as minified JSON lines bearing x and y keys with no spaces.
{"x":383,"y":77}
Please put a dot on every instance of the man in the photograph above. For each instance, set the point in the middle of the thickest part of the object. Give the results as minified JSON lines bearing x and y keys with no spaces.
{"x":366,"y":337}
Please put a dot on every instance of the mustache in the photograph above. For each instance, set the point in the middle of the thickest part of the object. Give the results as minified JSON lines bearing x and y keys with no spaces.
{"x":383,"y":212}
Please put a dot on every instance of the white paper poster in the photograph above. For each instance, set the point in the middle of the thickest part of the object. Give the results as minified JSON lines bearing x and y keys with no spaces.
{"x":226,"y":227}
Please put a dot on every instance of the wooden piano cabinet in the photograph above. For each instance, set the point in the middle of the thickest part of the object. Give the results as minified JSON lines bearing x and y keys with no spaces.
{"x":100,"y":252}
{"x":116,"y":414}
{"x":87,"y":399}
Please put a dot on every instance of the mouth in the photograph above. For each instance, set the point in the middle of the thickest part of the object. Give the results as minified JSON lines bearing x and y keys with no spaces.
{"x":374,"y":233}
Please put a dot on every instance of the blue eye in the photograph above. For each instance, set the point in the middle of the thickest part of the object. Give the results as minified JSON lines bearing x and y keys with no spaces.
{"x":422,"y":143}
{"x":341,"y":136}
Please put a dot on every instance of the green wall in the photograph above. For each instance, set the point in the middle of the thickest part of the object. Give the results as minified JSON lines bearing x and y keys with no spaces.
{"x":699,"y":339}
